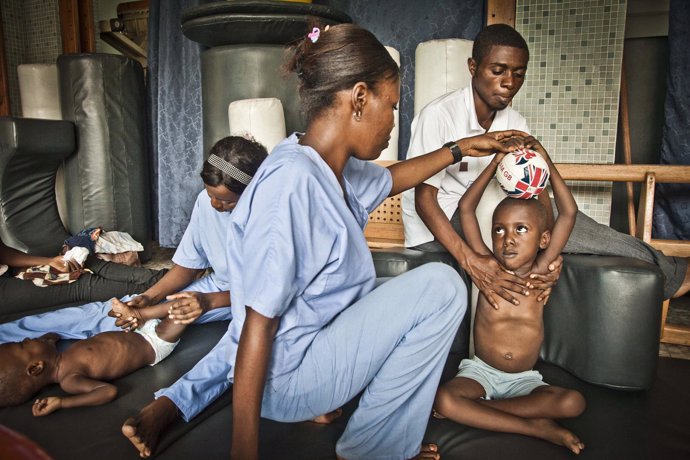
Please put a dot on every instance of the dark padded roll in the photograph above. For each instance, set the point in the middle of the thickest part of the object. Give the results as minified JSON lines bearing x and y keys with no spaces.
{"x":235,"y":72}
{"x":394,"y":261}
{"x":237,"y":22}
{"x":603,"y":320}
{"x":30,"y":153}
{"x":107,"y":182}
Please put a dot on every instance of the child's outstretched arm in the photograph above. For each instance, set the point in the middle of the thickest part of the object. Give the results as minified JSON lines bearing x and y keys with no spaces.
{"x":468,"y":206}
{"x":567,"y":211}
{"x":187,"y":306}
{"x":88,"y":392}
{"x":183,"y":307}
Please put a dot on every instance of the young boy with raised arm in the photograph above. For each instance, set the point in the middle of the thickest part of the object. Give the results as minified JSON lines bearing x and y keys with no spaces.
{"x":84,"y":368}
{"x":497,"y":389}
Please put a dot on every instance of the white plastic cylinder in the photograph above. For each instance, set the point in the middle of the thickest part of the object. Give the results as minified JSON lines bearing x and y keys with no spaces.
{"x":39,"y":91}
{"x":391,"y":152}
{"x":262,"y":118}
{"x":440,"y":67}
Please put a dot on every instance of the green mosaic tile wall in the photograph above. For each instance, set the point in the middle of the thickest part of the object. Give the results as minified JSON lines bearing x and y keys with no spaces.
{"x":570,"y":96}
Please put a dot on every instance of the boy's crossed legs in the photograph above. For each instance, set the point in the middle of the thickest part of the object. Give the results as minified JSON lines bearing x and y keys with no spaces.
{"x":530,"y":414}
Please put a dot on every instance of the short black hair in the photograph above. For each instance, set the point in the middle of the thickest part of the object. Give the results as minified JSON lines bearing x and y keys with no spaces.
{"x":533,"y":203}
{"x":15,"y":385}
{"x":496,"y":35}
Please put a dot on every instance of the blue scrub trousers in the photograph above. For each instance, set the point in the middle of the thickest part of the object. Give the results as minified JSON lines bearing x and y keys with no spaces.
{"x":392,"y":344}
{"x":86,"y":320}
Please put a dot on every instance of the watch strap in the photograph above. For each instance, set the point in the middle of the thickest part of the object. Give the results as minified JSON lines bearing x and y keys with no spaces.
{"x":455,"y":150}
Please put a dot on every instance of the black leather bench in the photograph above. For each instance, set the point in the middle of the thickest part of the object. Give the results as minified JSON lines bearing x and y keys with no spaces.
{"x":602,"y":324}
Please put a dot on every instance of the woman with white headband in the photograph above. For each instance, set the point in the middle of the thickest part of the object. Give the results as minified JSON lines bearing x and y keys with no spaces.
{"x":231,"y":164}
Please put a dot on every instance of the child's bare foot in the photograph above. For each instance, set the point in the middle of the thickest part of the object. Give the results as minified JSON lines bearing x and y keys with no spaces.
{"x":436,"y":414}
{"x":553,"y":432}
{"x":325,"y":419}
{"x":128,"y":318}
{"x":144,"y":429}
{"x":429,"y":451}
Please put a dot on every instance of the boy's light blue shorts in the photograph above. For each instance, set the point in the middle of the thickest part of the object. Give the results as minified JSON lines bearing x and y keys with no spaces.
{"x":498,"y":384}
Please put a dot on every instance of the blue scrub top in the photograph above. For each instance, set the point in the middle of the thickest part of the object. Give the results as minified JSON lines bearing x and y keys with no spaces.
{"x":203,"y":242}
{"x":297,"y":250}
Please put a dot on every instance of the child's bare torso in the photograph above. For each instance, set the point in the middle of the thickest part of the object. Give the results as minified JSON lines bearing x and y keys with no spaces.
{"x":509,"y":338}
{"x":107,"y":356}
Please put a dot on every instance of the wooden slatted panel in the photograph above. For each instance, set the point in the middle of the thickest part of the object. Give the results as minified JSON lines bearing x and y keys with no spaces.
{"x":385,"y":227}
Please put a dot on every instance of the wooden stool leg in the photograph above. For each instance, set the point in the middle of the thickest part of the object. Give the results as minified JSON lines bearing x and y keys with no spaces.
{"x":673,"y":333}
{"x":664,"y":313}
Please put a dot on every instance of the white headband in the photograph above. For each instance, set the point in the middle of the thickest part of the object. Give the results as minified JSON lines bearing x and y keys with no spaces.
{"x":229,"y":169}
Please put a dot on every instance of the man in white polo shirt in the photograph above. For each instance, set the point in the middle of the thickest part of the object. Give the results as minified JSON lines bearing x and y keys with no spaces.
{"x":498,"y":66}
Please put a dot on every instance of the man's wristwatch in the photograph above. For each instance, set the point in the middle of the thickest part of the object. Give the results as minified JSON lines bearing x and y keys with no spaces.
{"x":455,"y":150}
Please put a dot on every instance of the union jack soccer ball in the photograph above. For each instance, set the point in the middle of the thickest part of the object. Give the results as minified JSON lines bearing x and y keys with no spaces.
{"x":523,"y":174}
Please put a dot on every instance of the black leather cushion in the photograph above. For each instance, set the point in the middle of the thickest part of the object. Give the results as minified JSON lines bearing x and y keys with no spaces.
{"x":616,"y":425}
{"x":238,"y":22}
{"x":602,"y":322}
{"x":628,"y":425}
{"x":94,"y":432}
{"x":107,"y":182}
{"x":30,"y":153}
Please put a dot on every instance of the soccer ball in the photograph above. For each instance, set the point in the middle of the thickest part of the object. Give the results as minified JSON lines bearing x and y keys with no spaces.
{"x":523,"y":174}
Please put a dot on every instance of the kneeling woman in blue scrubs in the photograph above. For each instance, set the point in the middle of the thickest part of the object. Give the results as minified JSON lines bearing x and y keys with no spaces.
{"x":309,"y":331}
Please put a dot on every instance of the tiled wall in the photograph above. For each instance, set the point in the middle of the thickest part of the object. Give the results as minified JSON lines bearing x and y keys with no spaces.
{"x":32,"y":36}
{"x":570,"y":96}
{"x":14,"y":47}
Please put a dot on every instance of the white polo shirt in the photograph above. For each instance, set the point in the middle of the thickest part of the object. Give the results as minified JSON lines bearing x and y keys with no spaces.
{"x":449,"y":118}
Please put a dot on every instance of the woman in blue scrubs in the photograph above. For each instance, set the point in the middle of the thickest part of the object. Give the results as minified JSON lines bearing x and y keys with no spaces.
{"x":309,"y":331}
